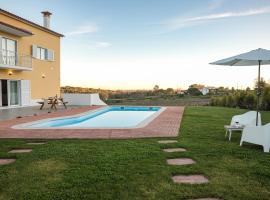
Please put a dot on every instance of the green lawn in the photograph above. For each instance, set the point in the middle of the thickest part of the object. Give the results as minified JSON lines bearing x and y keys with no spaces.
{"x":137,"y":169}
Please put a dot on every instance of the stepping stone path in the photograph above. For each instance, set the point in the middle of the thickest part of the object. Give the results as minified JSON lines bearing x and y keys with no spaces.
{"x":36,"y":143}
{"x":190,"y":179}
{"x":184,"y":179}
{"x":20,"y":151}
{"x":167,"y":141}
{"x":6,"y":161}
{"x":180,"y":161}
{"x":171,"y":150}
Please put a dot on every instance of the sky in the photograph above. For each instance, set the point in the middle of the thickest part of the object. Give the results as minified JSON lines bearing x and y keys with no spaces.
{"x":137,"y":44}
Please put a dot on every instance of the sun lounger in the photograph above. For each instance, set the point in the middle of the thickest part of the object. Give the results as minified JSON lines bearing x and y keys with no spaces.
{"x":259,"y":135}
{"x":246,"y":119}
{"x":238,"y":122}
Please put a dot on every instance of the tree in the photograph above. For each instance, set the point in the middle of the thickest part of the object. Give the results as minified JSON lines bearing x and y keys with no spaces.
{"x":156,"y":88}
{"x":250,"y":101}
{"x":196,"y":86}
{"x":170,"y":91}
{"x":194,"y":91}
{"x":262,"y":83}
{"x":266,"y":98}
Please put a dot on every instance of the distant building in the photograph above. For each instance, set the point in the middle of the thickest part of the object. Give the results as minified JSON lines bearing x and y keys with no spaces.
{"x":212,"y":90}
{"x":204,"y":90}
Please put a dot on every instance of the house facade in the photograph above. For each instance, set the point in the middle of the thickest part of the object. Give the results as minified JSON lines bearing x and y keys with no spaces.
{"x":29,"y":60}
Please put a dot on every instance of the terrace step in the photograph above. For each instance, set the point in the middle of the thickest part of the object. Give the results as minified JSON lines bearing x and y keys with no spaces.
{"x":171,"y":150}
{"x":20,"y":151}
{"x":180,"y":161}
{"x":167,"y":141}
{"x":6,"y":161}
{"x":190,"y":179}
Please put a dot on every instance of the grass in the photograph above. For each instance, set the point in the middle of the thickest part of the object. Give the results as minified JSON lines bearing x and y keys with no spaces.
{"x":137,"y":169}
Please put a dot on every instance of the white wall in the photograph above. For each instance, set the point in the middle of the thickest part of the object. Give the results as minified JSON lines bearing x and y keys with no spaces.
{"x":82,"y":99}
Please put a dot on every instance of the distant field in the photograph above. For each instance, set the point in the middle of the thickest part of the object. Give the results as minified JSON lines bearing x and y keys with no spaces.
{"x":183,"y":101}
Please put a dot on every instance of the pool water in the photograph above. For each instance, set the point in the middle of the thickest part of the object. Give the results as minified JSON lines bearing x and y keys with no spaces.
{"x":108,"y":117}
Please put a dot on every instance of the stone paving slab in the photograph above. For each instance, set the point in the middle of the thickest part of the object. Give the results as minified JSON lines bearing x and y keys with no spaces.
{"x":167,"y":141}
{"x":171,"y":150}
{"x":166,"y":124}
{"x":36,"y":143}
{"x":190,"y":179}
{"x":180,"y":161}
{"x":20,"y":151}
{"x":206,"y":199}
{"x":6,"y":161}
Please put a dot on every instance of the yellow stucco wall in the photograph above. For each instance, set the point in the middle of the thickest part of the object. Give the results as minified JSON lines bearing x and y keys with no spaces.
{"x":40,"y":87}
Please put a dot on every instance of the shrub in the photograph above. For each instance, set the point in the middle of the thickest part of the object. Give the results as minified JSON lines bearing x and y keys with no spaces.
{"x":243,"y":99}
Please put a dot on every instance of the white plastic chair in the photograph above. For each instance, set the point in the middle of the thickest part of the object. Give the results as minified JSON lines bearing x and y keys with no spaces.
{"x":247,"y":119}
{"x":257,"y":135}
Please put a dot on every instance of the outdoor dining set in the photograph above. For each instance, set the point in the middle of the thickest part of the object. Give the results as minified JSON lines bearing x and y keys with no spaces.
{"x":52,"y":102}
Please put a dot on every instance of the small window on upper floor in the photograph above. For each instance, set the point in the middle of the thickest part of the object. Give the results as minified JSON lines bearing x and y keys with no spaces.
{"x":42,"y":53}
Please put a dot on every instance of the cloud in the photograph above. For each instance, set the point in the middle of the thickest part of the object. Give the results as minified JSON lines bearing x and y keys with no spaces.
{"x":215,"y":4}
{"x":102,"y":44}
{"x":178,"y":23}
{"x":84,"y":29}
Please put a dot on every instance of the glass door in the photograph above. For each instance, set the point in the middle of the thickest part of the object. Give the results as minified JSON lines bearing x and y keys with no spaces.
{"x":13,"y":93}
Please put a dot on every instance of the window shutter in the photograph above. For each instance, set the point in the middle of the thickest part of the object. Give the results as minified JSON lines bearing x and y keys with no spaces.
{"x":25,"y":92}
{"x":1,"y":52}
{"x":50,"y":55}
{"x":0,"y":42}
{"x":46,"y":54}
{"x":34,"y":51}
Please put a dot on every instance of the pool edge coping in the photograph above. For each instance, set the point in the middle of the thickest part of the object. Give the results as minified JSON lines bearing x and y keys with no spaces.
{"x":142,"y":124}
{"x":166,"y":125}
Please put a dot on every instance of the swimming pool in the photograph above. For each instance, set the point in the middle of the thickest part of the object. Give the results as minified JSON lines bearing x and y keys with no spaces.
{"x":108,"y":117}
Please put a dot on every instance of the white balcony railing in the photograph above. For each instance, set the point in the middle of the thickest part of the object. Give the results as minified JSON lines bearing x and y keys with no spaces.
{"x":11,"y":60}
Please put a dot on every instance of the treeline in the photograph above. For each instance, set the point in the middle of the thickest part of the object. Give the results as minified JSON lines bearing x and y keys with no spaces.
{"x":141,"y":94}
{"x":115,"y":95}
{"x":244,"y":99}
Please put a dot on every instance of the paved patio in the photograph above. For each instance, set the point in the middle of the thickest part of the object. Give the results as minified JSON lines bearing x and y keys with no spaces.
{"x":12,"y":113}
{"x":167,"y":124}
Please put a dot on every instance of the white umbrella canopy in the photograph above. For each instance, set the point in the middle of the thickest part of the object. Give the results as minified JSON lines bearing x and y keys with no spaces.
{"x":247,"y":59}
{"x":255,"y":57}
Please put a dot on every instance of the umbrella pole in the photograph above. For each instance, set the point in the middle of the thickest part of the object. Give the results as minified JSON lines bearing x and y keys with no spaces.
{"x":258,"y":92}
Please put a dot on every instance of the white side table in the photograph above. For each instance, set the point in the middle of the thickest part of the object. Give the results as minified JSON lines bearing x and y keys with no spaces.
{"x":231,"y":128}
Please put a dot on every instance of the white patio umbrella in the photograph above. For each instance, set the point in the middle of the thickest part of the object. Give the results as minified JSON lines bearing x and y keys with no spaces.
{"x":256,"y":57}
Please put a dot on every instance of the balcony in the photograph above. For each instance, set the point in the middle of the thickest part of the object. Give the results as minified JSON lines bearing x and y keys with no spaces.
{"x":11,"y":60}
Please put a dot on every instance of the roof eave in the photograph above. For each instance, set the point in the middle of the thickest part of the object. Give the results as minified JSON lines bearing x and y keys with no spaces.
{"x":4,"y":12}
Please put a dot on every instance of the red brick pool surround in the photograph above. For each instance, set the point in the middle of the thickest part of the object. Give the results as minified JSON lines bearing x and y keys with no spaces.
{"x":166,"y":124}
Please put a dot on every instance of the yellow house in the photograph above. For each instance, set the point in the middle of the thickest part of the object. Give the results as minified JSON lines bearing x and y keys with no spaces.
{"x":29,"y":60}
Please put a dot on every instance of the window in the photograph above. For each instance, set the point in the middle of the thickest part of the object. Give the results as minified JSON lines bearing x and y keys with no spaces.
{"x":41,"y":53}
{"x":9,"y":51}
